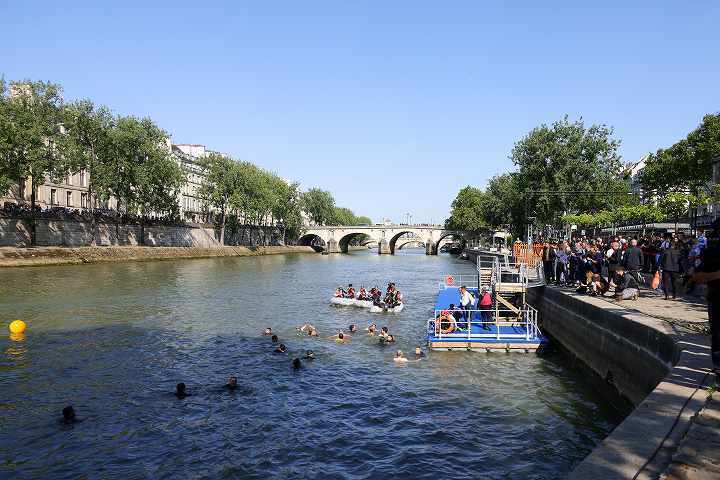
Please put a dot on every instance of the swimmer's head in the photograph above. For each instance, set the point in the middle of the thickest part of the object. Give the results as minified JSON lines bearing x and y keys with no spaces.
{"x":418,"y":351}
{"x":390,"y":338}
{"x":68,"y":413}
{"x":384,"y":329}
{"x":341,"y":336}
{"x":281,"y":348}
{"x":180,"y":388}
{"x":309,"y":354}
{"x":268,"y":331}
{"x":232,"y":381}
{"x":399,"y":353}
{"x":353,"y":328}
{"x":274,"y":338}
{"x":296,"y":363}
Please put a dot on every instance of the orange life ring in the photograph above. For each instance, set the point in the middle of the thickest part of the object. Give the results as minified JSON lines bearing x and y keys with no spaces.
{"x":449,"y":280}
{"x":448,"y":317}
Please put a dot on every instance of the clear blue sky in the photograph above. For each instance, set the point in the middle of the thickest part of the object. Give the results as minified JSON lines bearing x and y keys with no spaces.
{"x":390,"y":105}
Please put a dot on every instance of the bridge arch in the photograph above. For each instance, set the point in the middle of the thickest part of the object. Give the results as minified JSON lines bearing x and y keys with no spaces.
{"x":400,"y":244}
{"x":394,"y":239}
{"x":344,"y":242}
{"x":313,"y":240}
{"x":457,"y":235}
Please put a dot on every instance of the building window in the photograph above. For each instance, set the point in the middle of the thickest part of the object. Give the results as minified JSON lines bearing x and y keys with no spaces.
{"x":69,"y":199}
{"x":83,"y":200}
{"x":53,"y":196}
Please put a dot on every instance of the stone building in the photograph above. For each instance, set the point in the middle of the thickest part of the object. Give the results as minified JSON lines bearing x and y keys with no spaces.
{"x":192,"y":207}
{"x":69,"y":192}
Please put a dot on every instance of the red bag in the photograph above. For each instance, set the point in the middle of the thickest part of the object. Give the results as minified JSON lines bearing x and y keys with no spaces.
{"x":655,"y":281}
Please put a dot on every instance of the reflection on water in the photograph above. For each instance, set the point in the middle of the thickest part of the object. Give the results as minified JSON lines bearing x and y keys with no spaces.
{"x":113,"y":340}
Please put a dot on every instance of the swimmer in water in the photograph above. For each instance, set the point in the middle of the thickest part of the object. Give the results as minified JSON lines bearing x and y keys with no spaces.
{"x":69,"y":415}
{"x":384,"y":332}
{"x":296,"y":364}
{"x":390,"y":339}
{"x":274,"y":339}
{"x":352,"y":328}
{"x":339,"y":338}
{"x":309,"y":355}
{"x":231,"y":383}
{"x":180,"y":391}
{"x":281,"y":349}
{"x":418,"y":352}
{"x":268,"y":332}
{"x":371,"y":329}
{"x":399,"y":357}
{"x":309,"y":328}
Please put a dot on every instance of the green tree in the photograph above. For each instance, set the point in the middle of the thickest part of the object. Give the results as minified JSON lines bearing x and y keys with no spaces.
{"x":287,"y":208}
{"x":467,"y":210}
{"x":319,"y":205}
{"x":219,"y":185}
{"x":88,"y":131}
{"x":139,"y":172}
{"x":686,"y":165}
{"x":555,"y":162}
{"x":31,"y":145}
{"x":502,"y":202}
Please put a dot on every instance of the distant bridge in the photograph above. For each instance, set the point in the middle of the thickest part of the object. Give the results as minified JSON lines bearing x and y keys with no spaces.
{"x":388,"y":237}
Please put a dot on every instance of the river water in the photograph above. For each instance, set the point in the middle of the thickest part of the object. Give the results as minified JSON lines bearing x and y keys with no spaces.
{"x":113,"y":340}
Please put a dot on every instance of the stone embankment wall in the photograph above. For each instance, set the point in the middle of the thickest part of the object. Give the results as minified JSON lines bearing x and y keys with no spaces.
{"x":630,"y":356}
{"x":60,"y":233}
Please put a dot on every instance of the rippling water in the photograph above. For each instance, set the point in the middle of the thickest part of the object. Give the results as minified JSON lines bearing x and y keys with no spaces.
{"x":113,"y":340}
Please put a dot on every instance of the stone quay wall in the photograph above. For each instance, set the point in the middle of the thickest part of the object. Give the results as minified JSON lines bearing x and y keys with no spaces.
{"x":64,"y":233}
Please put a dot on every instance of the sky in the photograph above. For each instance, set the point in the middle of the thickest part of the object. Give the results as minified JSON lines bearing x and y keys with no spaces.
{"x":392,"y":106}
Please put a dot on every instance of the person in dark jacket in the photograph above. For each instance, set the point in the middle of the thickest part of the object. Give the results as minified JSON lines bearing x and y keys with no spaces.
{"x":671,"y":266}
{"x":626,"y":287}
{"x":633,"y":260}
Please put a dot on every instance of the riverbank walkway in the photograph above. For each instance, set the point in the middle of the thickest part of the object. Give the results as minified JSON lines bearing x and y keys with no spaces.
{"x":680,"y":415}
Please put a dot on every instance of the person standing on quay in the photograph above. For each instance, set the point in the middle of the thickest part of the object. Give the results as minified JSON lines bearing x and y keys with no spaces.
{"x":634,"y":260}
{"x":709,"y":272}
{"x":671,"y":266}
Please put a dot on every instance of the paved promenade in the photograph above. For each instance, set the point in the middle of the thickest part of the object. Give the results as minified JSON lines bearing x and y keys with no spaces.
{"x":690,"y":448}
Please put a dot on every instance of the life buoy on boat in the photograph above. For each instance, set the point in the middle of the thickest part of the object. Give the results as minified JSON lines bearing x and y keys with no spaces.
{"x":445,"y":317}
{"x":449,"y":280}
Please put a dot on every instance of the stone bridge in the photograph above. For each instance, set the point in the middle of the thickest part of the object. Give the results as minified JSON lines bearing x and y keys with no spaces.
{"x":388,"y":237}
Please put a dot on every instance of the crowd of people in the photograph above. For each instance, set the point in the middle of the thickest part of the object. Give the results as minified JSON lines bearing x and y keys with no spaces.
{"x":624,"y":264}
{"x":392,"y":298}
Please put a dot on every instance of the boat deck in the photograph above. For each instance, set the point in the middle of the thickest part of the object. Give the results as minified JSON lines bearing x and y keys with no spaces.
{"x":504,"y":333}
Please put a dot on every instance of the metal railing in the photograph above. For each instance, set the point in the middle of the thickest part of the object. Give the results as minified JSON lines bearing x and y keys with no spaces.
{"x":470,"y":280}
{"x":525,"y":324}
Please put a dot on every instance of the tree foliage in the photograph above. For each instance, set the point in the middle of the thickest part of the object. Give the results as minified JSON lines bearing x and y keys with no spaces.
{"x":467,"y":210}
{"x":319,"y":205}
{"x":568,"y":167}
{"x":686,"y":165}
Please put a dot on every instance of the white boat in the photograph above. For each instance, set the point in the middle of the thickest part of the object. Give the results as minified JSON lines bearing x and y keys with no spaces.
{"x":345,"y":302}
{"x":363,"y":303}
{"x":397,"y":309}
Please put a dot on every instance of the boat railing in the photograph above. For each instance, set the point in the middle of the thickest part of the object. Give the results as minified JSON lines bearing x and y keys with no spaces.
{"x":456,"y":281}
{"x":525,"y":324}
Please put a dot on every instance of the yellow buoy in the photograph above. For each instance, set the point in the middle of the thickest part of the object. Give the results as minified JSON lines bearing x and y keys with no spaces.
{"x":17,"y":326}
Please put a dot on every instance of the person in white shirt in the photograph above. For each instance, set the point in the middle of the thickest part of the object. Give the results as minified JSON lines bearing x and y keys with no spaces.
{"x":466,"y":302}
